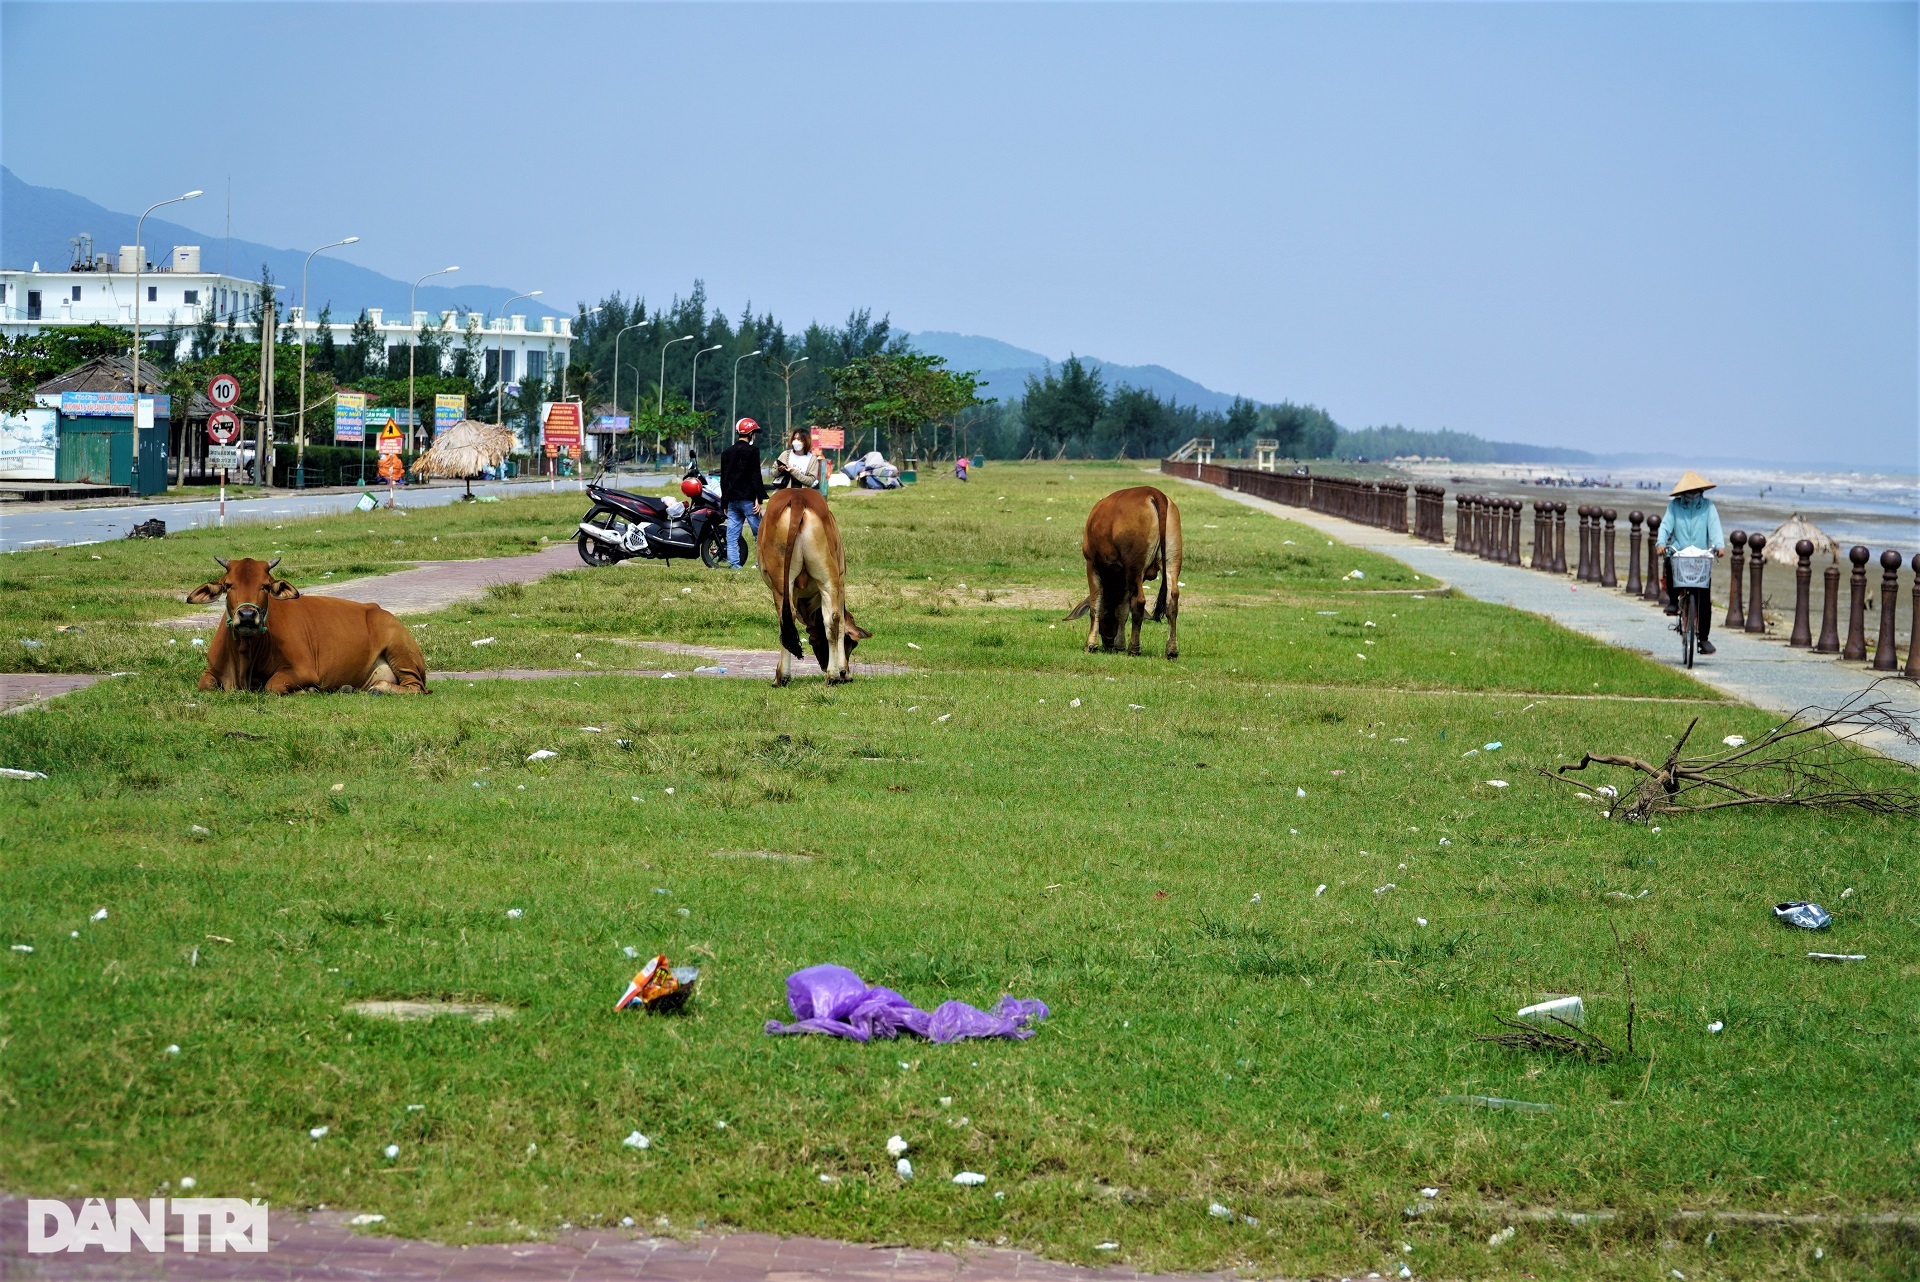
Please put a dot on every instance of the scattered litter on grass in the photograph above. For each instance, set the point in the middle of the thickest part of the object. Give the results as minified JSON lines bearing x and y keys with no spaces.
{"x":1446,"y":841}
{"x":515,"y":912}
{"x":1735,"y":740}
{"x":684,"y":912}
{"x":1430,"y":1192}
{"x":1804,"y":915}
{"x":896,"y":1146}
{"x":1321,"y":890}
{"x":1495,"y":1102}
{"x":416,"y":1108}
{"x":1716,"y":1026}
{"x":1356,"y":574}
{"x":483,"y":641}
{"x":391,"y":1151}
{"x":1218,"y":1211}
{"x":1299,"y":792}
{"x":360,"y":1219}
{"x":1561,"y":1010}
{"x":637,"y":1140}
{"x":1502,"y":1237}
{"x":1381,"y":890}
{"x":541,"y":754}
{"x":591,"y":730}
{"x":1138,"y":707}
{"x":1492,"y":747}
{"x":1471,"y":752}
{"x":1421,"y":920}
{"x":659,"y":987}
{"x":1838,"y":957}
{"x":970,"y":1178}
{"x":1847,"y":893}
{"x":1496,"y":783}
{"x":23,"y":948}
{"x":100,"y":914}
{"x":198,"y":642}
{"x":710,"y":671}
{"x":834,"y":1000}
{"x":669,"y":792}
{"x":9,"y":773}
{"x":948,"y":715}
{"x":318,"y":1132}
{"x":1255,"y":899}
{"x":1106,"y":1246}
{"x":912,"y":646}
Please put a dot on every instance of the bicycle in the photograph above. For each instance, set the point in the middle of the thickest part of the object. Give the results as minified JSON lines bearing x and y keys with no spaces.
{"x":1689,"y":570}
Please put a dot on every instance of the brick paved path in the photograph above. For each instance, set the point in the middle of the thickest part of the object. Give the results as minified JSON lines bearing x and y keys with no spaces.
{"x":320,"y":1246}
{"x":18,"y":689}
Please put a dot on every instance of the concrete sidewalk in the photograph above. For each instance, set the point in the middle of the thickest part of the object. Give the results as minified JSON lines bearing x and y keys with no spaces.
{"x":1762,"y":671}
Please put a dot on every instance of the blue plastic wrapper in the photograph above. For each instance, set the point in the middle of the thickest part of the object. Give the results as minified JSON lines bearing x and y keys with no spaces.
{"x":835,"y":1001}
{"x":1804,"y":915}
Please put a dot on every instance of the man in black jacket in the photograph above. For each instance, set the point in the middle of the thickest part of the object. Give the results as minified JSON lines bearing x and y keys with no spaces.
{"x":742,"y":489}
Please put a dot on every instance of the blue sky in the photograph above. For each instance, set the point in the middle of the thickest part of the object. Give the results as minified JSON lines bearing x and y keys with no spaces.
{"x":1627,"y":226}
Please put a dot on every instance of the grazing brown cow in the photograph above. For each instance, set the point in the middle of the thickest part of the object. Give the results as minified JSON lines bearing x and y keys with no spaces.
{"x":276,"y":640}
{"x":803,"y":562}
{"x":1132,"y":536}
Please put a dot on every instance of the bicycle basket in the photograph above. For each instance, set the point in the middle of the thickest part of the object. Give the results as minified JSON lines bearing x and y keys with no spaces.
{"x":1692,"y":571}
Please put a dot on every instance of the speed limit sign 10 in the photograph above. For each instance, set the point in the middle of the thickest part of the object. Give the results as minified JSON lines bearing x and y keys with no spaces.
{"x":223,"y":390}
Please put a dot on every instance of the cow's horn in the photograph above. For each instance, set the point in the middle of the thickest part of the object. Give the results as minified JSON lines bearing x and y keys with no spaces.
{"x":272,"y":563}
{"x":222,"y":561}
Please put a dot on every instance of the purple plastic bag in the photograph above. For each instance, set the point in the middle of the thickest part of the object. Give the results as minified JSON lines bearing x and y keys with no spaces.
{"x":834,"y":1000}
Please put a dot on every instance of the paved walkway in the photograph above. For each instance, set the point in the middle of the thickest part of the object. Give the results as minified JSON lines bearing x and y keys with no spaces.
{"x":1763,"y":671}
{"x":431,"y":585}
{"x":317,"y":1246}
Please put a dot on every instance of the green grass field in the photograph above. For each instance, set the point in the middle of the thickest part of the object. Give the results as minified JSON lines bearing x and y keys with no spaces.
{"x":1140,"y":859}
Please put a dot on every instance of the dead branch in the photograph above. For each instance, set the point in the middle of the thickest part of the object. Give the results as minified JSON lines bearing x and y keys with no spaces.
{"x":1806,"y":760}
{"x":1576,"y":1041}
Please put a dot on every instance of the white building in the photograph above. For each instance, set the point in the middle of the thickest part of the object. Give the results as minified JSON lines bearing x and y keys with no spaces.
{"x":176,"y":294}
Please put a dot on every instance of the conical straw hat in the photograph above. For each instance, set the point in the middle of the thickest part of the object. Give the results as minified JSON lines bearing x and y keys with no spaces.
{"x":1691,"y":481}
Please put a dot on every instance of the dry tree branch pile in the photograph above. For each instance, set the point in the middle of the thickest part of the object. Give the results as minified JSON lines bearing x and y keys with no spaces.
{"x":1806,"y":760}
{"x":1576,"y":1041}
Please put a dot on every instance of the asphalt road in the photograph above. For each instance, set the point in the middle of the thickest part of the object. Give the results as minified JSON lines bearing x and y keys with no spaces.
{"x":25,"y":525}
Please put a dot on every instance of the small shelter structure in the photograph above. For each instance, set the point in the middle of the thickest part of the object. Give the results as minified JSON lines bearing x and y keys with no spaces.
{"x":1780,"y":543}
{"x":464,"y":451}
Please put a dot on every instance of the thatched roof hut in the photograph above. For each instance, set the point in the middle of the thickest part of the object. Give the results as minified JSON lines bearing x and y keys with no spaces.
{"x":465,"y":450}
{"x":1780,"y":543}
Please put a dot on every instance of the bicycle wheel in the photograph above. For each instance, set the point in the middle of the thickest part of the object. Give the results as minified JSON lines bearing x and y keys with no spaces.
{"x":1687,"y":606}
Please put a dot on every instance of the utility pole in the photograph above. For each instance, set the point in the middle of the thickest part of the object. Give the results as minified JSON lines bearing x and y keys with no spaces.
{"x":263,"y":443}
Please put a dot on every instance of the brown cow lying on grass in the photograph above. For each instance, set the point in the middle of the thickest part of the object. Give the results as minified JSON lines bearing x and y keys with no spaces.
{"x":276,"y":640}
{"x":805,"y":565}
{"x":1132,"y":536}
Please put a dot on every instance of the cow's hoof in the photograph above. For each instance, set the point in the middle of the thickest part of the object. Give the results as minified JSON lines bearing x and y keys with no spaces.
{"x":1173,"y":654}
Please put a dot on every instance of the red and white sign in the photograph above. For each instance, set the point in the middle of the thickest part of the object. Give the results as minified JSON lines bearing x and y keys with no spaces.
{"x":223,"y":426}
{"x":829,"y":438}
{"x":562,"y":425}
{"x":223,"y":390}
{"x":390,"y":440}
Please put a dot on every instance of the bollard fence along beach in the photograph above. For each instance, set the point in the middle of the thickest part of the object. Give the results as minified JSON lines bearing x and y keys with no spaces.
{"x":1736,"y":613}
{"x":1756,"y":566}
{"x":1885,"y":659}
{"x":1802,"y":586}
{"x":1382,"y":504}
{"x":1856,"y":647}
{"x":1634,"y":521}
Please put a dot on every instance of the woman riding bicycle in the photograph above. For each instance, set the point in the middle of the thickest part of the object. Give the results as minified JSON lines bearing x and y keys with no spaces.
{"x":1691,"y":521}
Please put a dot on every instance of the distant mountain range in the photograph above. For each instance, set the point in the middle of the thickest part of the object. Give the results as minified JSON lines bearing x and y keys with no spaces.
{"x":1004,"y":370}
{"x":36,"y":224}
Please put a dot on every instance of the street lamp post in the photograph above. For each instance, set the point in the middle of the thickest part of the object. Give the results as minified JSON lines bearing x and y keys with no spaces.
{"x":735,"y":409}
{"x":660,"y":405}
{"x":693,"y":388}
{"x":616,"y":364}
{"x":300,"y":432}
{"x":412,"y":330}
{"x":500,"y":362}
{"x":139,"y":260}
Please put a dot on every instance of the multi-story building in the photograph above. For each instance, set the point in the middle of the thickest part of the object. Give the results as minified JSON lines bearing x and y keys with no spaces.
{"x":176,"y":295}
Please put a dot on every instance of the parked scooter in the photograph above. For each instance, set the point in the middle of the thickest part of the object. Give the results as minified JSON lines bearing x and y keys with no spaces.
{"x":621,"y":525}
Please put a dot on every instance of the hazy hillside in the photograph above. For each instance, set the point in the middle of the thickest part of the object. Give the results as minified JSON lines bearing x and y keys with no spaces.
{"x":37,"y":222}
{"x":1005,"y":369}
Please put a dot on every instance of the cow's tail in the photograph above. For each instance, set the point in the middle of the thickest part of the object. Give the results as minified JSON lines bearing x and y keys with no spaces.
{"x":789,"y":626}
{"x":1078,"y":611}
{"x":1160,"y":506}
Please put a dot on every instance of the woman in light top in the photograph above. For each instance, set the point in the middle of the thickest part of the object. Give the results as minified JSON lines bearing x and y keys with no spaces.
{"x":1691,"y":521}
{"x":798,"y":467}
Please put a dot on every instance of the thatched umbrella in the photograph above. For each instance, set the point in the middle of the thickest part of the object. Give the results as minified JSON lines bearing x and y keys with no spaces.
{"x":1780,"y":543}
{"x":465,"y":450}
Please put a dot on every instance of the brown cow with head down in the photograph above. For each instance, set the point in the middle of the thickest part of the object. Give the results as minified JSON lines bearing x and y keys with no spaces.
{"x":803,"y":562}
{"x":1132,"y":536}
{"x":276,"y":640}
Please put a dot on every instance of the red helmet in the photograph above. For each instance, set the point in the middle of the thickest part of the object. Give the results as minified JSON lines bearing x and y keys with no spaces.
{"x":690,"y":486}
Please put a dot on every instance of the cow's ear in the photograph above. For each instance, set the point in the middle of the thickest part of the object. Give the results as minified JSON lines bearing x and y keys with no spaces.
{"x":207,"y":592}
{"x":281,"y":590}
{"x":855,"y":631}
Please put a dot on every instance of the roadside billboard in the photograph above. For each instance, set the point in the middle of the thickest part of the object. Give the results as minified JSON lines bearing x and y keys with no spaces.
{"x":448,"y":409}
{"x":560,"y":424}
{"x":350,"y":417}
